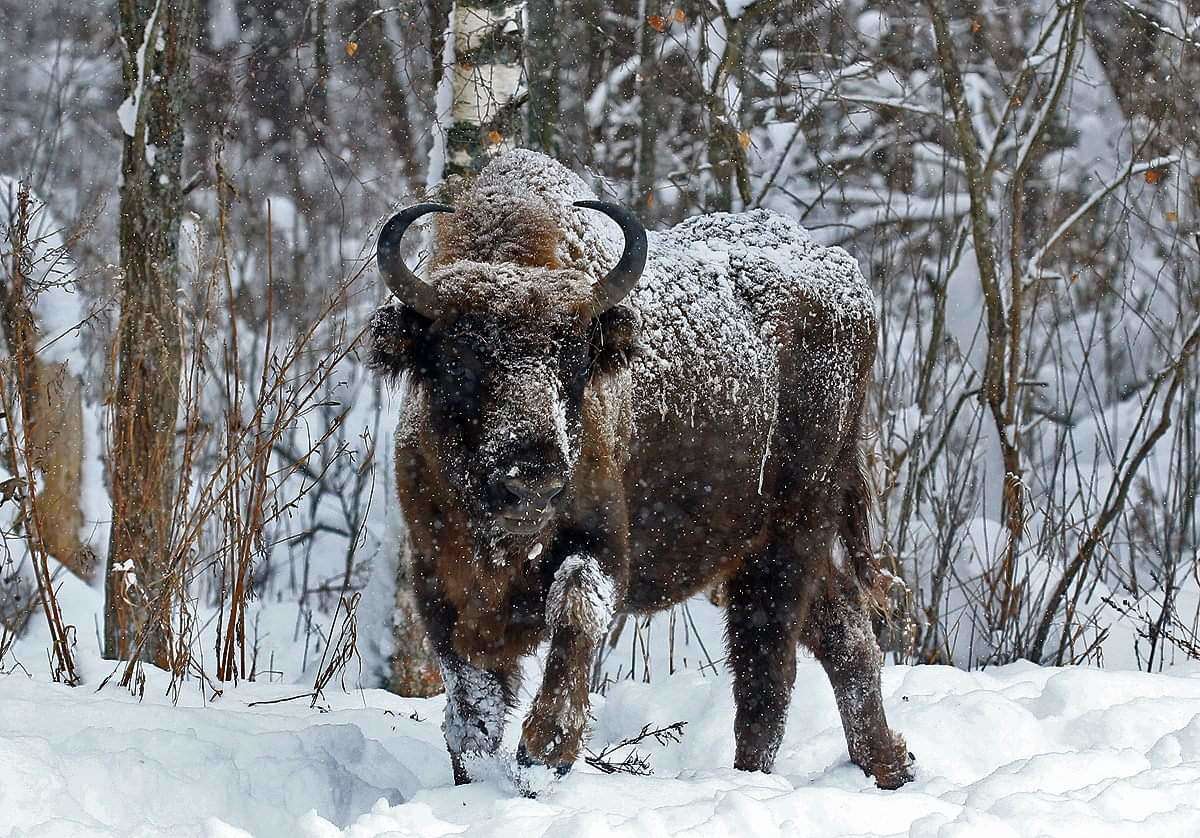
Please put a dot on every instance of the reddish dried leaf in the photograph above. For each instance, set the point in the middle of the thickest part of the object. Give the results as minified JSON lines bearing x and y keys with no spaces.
{"x":657,"y":22}
{"x":351,"y":48}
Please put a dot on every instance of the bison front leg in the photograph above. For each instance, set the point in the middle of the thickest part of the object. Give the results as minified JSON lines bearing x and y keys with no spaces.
{"x":477,"y":703}
{"x":578,"y":610}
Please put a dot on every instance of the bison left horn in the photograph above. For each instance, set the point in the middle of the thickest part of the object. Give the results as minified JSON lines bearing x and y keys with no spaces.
{"x":617,"y":284}
{"x":411,"y":290}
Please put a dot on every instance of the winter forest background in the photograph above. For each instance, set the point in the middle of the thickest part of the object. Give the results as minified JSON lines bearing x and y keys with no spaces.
{"x":1018,"y":180}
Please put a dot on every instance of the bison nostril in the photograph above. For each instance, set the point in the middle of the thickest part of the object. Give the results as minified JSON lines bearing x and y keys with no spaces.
{"x":538,"y":491}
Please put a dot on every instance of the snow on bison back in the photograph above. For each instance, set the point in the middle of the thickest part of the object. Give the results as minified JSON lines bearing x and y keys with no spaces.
{"x":603,"y":421}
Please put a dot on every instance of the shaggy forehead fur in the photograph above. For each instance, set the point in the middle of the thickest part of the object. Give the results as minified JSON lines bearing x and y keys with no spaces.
{"x":498,"y":254}
{"x":518,"y":210}
{"x":528,"y":297}
{"x":491,"y":226}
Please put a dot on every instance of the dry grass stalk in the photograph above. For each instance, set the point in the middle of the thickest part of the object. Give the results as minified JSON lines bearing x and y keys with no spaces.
{"x":341,"y":648}
{"x":633,"y":762}
{"x":231,"y":477}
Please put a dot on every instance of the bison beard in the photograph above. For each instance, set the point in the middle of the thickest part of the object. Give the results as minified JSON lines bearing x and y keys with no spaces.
{"x":568,"y":450}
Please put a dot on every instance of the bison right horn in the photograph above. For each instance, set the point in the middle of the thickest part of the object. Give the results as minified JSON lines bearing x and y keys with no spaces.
{"x":617,"y":284}
{"x":410,"y":289}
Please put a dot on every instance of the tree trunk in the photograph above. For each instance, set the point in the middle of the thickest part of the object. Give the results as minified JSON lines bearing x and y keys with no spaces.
{"x":543,"y":76}
{"x":158,"y":36}
{"x":55,"y":399}
{"x":438,"y":12}
{"x":584,"y":49}
{"x":648,"y":110}
{"x":484,"y":79}
{"x":378,"y":63}
{"x":414,"y":669}
{"x":46,"y":405}
{"x":726,"y":149}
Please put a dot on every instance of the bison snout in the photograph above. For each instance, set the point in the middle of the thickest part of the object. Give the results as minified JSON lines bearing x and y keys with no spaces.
{"x":534,"y":491}
{"x":524,"y":504}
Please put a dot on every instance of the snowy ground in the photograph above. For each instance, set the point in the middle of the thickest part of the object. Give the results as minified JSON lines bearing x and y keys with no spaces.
{"x":1014,"y":751}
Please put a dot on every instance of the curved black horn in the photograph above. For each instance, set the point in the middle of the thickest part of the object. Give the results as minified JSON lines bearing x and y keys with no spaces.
{"x":413,"y":291}
{"x":617,"y":284}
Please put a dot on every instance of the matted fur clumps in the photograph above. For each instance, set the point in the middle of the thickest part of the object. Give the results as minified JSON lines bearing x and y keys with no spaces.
{"x":519,"y":210}
{"x":490,"y":226}
{"x":387,"y":334}
{"x":506,"y":291}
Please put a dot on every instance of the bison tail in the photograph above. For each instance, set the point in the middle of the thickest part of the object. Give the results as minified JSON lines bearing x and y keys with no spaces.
{"x":854,"y":525}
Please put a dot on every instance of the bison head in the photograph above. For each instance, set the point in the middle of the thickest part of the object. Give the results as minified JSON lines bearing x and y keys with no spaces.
{"x":503,"y":354}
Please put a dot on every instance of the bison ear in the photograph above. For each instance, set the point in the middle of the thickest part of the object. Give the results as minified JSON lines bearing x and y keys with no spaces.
{"x":616,"y":336}
{"x":397,"y":340}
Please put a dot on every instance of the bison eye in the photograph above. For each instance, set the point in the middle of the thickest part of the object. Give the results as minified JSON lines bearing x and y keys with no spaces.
{"x":459,"y":370}
{"x":460,"y":374}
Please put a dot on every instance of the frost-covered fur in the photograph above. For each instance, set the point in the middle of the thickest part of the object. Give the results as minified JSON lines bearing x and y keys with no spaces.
{"x":581,"y":596}
{"x":742,"y":280}
{"x":476,"y":707}
{"x":579,"y":608}
{"x":706,"y":430}
{"x":519,"y":210}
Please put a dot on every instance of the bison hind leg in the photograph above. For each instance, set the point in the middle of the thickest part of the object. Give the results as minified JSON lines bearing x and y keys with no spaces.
{"x":761,"y":619}
{"x":793,"y":592}
{"x":838,"y":631}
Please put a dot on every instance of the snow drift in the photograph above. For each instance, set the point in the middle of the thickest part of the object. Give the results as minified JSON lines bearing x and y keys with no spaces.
{"x":1013,"y":751}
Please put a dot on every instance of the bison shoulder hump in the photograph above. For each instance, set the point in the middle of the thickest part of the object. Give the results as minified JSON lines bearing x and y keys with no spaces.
{"x":774,"y":267}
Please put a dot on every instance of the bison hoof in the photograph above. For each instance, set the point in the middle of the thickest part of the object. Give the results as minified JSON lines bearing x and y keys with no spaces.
{"x":531,"y":777}
{"x":895,"y":770}
{"x":884,"y":756}
{"x":893,"y":777}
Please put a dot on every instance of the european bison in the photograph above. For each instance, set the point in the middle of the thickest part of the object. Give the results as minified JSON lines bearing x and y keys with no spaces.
{"x":594,"y":429}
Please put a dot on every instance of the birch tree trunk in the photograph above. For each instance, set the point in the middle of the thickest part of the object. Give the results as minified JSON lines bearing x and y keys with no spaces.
{"x":157,"y":37}
{"x":486,"y":72}
{"x":482,"y":77}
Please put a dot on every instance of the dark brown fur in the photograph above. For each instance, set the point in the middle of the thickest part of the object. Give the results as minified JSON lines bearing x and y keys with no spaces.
{"x":655,"y":507}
